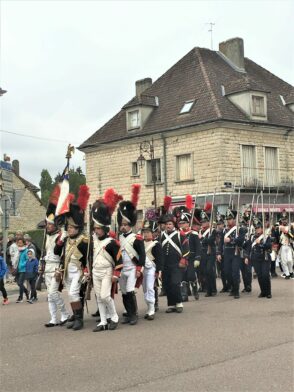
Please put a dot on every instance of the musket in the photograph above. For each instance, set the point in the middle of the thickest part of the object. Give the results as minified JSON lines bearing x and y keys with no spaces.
{"x":89,"y":259}
{"x":193,"y":209}
{"x":250,"y":218}
{"x":237,"y":218}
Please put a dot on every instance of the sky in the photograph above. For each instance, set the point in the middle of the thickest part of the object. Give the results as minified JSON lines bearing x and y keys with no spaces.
{"x":69,"y":66}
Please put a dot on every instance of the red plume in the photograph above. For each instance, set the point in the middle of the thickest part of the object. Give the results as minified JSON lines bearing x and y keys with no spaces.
{"x":166,"y":203}
{"x":55,"y":195}
{"x":135,"y":194}
{"x":207,"y":206}
{"x":111,"y":198}
{"x":71,"y":197}
{"x":189,"y":202}
{"x":83,"y":197}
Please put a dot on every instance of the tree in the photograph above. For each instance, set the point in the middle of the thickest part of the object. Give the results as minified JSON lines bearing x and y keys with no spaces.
{"x":46,"y":186}
{"x":76,"y":178}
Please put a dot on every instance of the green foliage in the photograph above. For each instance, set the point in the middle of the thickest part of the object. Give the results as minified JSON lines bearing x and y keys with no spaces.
{"x":76,"y":178}
{"x":37,"y":237}
{"x":46,"y":186}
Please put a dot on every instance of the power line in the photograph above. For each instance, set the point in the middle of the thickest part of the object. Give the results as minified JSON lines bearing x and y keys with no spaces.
{"x":35,"y":137}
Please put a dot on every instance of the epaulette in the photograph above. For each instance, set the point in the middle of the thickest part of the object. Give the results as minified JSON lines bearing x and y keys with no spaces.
{"x":182,"y":233}
{"x":139,"y":237}
{"x":194,"y":232}
{"x":85,"y":239}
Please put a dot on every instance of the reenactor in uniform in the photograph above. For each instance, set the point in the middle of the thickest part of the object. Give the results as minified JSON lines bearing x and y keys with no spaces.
{"x":207,"y":238}
{"x":257,"y":250}
{"x":133,"y":255}
{"x":153,"y":266}
{"x":232,"y":242}
{"x":184,"y":216}
{"x":107,"y":262}
{"x":175,"y":249}
{"x":52,"y":263}
{"x":220,"y":225}
{"x":74,"y":249}
{"x":246,"y":268}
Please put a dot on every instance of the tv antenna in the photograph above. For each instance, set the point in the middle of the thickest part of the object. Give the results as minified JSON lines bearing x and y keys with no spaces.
{"x":211,"y":31}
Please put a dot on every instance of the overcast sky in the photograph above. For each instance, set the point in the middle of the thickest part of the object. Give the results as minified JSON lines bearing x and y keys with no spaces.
{"x":69,"y":66}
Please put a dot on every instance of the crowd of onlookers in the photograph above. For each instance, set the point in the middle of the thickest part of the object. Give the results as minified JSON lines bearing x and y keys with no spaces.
{"x":22,"y":265}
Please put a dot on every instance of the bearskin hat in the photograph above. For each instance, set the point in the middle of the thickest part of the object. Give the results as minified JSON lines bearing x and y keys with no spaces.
{"x":182,"y":214}
{"x":197,"y":216}
{"x":127,"y":210}
{"x":164,"y":209}
{"x":102,"y":209}
{"x":220,"y":218}
{"x":76,"y":215}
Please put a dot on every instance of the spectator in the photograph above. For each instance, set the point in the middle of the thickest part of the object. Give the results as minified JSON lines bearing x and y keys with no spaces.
{"x":32,"y":274}
{"x":8,"y":258}
{"x":32,"y":245}
{"x":21,"y":269}
{"x":13,"y":252}
{"x":3,"y":270}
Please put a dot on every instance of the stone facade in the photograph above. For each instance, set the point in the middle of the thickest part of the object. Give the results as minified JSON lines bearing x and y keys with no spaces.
{"x":216,"y":155}
{"x":29,"y":210}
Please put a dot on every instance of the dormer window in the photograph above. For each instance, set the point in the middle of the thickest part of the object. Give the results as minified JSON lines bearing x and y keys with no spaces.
{"x":133,"y":119}
{"x":187,"y":107}
{"x":258,"y":106}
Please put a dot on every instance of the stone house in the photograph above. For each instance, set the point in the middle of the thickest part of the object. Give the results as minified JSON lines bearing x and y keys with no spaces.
{"x":25,"y":207}
{"x":214,"y":120}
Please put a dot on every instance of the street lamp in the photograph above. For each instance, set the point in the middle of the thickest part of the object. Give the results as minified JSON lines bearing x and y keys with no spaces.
{"x":147,"y":147}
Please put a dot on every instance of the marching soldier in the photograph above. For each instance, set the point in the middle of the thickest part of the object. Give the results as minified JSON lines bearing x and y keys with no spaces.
{"x":52,"y":263}
{"x":133,"y":255}
{"x":207,"y":238}
{"x":220,"y":225}
{"x":246,"y":268}
{"x":232,"y":242}
{"x":75,"y":251}
{"x":190,"y":276}
{"x":153,"y":265}
{"x":107,"y":262}
{"x":257,"y":250}
{"x":175,"y":249}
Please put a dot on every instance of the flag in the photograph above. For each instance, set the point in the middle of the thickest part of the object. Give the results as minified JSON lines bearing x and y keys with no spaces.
{"x":64,"y":197}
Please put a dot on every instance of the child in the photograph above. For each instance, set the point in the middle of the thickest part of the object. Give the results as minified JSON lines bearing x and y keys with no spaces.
{"x":21,"y":269}
{"x":3,"y":270}
{"x":32,"y":266}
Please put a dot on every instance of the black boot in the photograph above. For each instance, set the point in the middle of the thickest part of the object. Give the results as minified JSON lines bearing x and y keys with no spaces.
{"x":184,"y":291}
{"x":133,"y":308}
{"x":79,"y":317}
{"x":195,"y":290}
{"x":72,"y":318}
{"x":126,"y":316}
{"x":156,"y":305}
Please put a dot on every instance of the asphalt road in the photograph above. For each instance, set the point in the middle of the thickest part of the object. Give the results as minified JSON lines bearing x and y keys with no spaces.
{"x":216,"y":344}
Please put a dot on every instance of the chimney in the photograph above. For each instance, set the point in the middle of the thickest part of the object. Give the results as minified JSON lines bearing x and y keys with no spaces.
{"x":15,"y":165}
{"x":233,"y":49}
{"x":142,"y":85}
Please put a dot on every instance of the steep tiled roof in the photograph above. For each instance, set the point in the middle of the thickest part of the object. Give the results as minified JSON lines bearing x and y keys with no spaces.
{"x":199,"y":76}
{"x":31,"y":187}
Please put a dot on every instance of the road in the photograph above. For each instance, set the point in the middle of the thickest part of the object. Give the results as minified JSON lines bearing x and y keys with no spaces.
{"x":216,"y":344}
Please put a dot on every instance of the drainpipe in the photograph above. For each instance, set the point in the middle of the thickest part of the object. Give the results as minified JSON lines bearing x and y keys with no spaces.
{"x":164,"y":164}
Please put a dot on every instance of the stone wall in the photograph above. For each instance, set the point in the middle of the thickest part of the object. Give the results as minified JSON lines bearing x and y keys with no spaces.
{"x":29,"y":212}
{"x":216,"y":158}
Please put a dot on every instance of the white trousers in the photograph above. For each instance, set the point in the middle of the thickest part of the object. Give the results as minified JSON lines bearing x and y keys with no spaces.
{"x":55,"y":301}
{"x":72,"y":282}
{"x":127,"y":280}
{"x":148,"y":289}
{"x":287,"y":266}
{"x":102,"y":286}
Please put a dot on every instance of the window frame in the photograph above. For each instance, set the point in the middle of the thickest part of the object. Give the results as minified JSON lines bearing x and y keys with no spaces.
{"x":137,"y":174}
{"x":177,"y":178}
{"x":278,"y":167}
{"x":129,"y":122}
{"x":255,"y":179}
{"x":148,"y":162}
{"x":192,"y":101}
{"x":254,"y":96}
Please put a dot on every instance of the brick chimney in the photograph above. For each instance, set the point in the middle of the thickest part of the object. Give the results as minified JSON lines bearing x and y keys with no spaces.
{"x":233,"y":50}
{"x":142,"y":85}
{"x":15,"y":166}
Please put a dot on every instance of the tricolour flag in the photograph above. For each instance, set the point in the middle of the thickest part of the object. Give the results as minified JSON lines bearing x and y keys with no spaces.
{"x":64,"y":197}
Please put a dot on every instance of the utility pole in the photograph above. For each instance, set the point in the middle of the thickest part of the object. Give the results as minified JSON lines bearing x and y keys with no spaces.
{"x":210,"y":31}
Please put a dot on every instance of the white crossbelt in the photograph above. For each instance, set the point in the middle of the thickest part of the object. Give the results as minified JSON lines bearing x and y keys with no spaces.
{"x":168,"y":239}
{"x":259,"y":238}
{"x":100,"y":247}
{"x":125,"y":243}
{"x":205,"y":233}
{"x":232,"y":229}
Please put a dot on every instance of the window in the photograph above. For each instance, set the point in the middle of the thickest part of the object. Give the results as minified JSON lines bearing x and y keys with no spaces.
{"x":184,"y":167}
{"x":187,"y":107}
{"x":258,"y":108}
{"x":157,"y":171}
{"x":248,"y":166}
{"x":135,"y":169}
{"x":271,"y":166}
{"x":133,"y":119}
